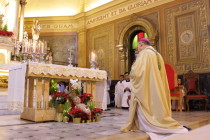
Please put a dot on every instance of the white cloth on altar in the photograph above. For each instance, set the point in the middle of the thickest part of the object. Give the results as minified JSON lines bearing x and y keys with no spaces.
{"x":101,"y":94}
{"x":119,"y":90}
{"x":126,"y":93}
{"x":156,"y":133}
{"x":16,"y":87}
{"x":17,"y":75}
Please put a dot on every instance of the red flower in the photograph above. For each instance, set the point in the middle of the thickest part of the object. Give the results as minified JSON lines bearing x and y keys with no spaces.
{"x":60,"y":94}
{"x":85,"y":97}
{"x":78,"y":113}
{"x":59,"y":98}
{"x":96,"y":112}
{"x":5,"y":33}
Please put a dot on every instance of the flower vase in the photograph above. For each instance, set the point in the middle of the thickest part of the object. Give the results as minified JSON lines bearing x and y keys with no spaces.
{"x":59,"y":108}
{"x":59,"y":117}
{"x":65,"y":119}
{"x":76,"y":120}
{"x":88,"y":121}
{"x":98,"y":118}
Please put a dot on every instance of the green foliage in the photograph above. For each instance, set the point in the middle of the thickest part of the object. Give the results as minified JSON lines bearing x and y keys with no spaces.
{"x":53,"y":87}
{"x":5,"y":27}
{"x":91,"y":105}
{"x":66,"y":108}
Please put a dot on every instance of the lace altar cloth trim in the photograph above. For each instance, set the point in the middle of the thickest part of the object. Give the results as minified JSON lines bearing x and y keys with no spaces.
{"x":51,"y":69}
{"x":15,"y":106}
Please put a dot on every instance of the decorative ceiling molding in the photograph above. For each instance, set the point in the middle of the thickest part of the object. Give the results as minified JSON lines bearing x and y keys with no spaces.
{"x":43,"y":8}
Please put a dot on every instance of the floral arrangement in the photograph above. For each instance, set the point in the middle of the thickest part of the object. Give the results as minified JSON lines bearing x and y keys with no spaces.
{"x":5,"y":33}
{"x":78,"y":113}
{"x":76,"y":86}
{"x":85,"y":97}
{"x":96,"y":112}
{"x":59,"y":98}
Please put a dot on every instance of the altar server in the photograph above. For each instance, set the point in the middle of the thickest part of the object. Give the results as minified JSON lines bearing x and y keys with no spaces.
{"x":127,"y":91}
{"x":119,"y":90}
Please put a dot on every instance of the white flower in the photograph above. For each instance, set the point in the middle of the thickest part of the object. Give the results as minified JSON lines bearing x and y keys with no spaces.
{"x":76,"y":84}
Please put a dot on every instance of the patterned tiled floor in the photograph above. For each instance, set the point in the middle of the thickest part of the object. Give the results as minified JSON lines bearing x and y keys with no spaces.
{"x":11,"y":127}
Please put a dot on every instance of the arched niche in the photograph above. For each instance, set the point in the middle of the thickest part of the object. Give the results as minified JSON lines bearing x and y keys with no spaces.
{"x":125,"y":36}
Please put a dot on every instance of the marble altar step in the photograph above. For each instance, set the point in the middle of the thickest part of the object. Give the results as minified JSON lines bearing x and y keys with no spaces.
{"x":195,"y":120}
{"x":202,"y":133}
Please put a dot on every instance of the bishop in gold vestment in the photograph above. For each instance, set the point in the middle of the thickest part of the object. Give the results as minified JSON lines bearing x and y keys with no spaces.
{"x":150,"y":95}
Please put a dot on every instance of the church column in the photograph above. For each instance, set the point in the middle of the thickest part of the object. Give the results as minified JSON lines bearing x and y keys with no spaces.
{"x":12,"y":16}
{"x":123,"y":57}
{"x":82,"y":46}
{"x":1,"y":21}
{"x":22,"y":3}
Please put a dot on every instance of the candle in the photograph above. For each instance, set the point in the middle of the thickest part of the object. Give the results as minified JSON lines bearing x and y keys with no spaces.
{"x":45,"y":46}
{"x":24,"y":49}
{"x":34,"y":47}
{"x":15,"y":42}
{"x":93,"y":56}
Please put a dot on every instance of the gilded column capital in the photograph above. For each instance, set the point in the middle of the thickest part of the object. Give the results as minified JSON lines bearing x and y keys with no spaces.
{"x":23,"y":2}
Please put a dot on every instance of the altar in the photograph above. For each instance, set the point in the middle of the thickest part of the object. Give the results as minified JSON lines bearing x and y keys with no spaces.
{"x":29,"y":87}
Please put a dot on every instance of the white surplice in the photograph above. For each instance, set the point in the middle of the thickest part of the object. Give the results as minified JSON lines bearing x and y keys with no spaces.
{"x":156,"y":133}
{"x":126,"y":93}
{"x":119,"y":90}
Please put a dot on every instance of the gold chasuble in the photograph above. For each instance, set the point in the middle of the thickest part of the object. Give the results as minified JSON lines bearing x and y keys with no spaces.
{"x":150,"y":91}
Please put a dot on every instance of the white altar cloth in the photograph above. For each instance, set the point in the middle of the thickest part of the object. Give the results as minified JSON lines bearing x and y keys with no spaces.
{"x":18,"y":73}
{"x":16,"y":87}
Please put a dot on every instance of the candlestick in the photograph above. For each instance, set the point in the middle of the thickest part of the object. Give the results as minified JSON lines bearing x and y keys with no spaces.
{"x":70,"y":57}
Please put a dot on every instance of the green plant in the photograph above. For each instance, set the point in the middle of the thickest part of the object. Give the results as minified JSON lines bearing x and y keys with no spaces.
{"x":91,"y":105}
{"x":53,"y":87}
{"x":5,"y":27}
{"x":66,"y":108}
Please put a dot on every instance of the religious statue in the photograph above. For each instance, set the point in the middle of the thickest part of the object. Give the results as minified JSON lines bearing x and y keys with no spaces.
{"x":83,"y":107}
{"x":36,"y":30}
{"x":49,"y":58}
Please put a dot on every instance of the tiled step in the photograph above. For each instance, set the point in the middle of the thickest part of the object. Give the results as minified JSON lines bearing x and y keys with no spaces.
{"x":139,"y":135}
